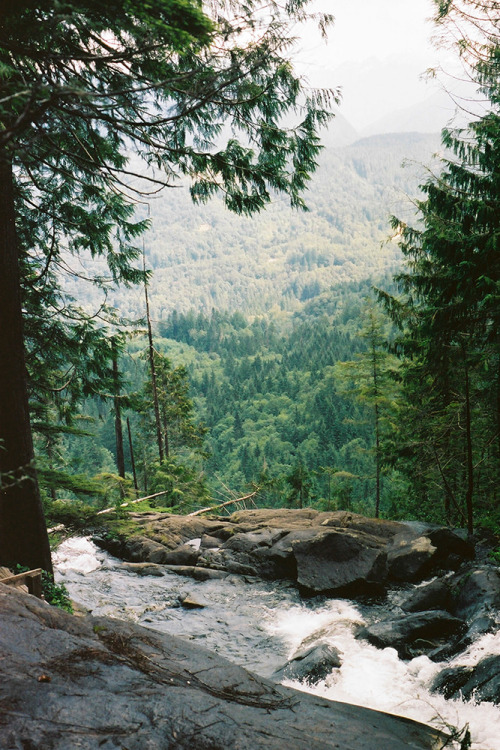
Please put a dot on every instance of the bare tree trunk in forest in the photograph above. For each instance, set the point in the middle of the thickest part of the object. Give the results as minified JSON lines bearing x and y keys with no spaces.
{"x":377,"y":430}
{"x":152,"y":367}
{"x":120,"y":456}
{"x":495,"y":489}
{"x":145,"y":465}
{"x":468,"y":437}
{"x":132,"y":459}
{"x":377,"y":462}
{"x":23,"y":532}
{"x":165,"y":437}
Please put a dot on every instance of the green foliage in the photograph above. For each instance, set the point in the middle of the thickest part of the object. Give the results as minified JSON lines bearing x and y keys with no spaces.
{"x":178,"y":427}
{"x":266,"y":391}
{"x":73,"y":514}
{"x":84,"y":85}
{"x":53,"y":593}
{"x":447,"y":439}
{"x":182,"y":484}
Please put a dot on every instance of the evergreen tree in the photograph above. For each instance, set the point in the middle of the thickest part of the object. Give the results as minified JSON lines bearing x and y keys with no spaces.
{"x":450,"y":312}
{"x":371,"y":380}
{"x":83,"y":84}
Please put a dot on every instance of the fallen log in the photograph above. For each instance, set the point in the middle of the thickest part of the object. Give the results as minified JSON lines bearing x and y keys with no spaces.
{"x":222,"y":505}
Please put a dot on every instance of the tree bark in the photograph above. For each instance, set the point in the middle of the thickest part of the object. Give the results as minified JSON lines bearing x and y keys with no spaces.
{"x":377,"y":429}
{"x":470,"y":464}
{"x":23,"y":532}
{"x":132,"y":458}
{"x":120,"y":456}
{"x":153,"y":368}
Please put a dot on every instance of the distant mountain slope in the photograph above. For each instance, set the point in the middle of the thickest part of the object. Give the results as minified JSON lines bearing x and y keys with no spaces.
{"x":428,"y":116}
{"x":203,"y":257}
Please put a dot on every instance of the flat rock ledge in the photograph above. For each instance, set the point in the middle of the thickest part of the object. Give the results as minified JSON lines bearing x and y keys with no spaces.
{"x":96,"y":683}
{"x":332,"y":553}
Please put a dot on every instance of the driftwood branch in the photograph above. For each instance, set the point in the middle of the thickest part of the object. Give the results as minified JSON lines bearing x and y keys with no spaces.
{"x":222,"y":505}
{"x":132,"y":502}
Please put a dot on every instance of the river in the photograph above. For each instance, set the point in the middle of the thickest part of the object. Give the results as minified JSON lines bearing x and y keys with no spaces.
{"x":261,"y":625}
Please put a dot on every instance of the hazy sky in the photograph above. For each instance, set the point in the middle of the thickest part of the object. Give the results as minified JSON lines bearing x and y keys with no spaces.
{"x":377,"y":51}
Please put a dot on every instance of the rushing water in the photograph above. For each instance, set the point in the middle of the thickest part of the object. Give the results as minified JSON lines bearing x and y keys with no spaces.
{"x":261,"y":625}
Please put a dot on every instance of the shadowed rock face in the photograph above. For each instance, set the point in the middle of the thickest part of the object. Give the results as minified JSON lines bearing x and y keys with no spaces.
{"x":414,"y":633}
{"x":336,"y":552}
{"x":481,"y":681}
{"x":94,"y":683}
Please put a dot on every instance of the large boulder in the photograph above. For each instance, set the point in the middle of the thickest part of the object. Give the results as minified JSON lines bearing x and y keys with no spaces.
{"x":476,"y":598}
{"x":340,"y":561}
{"x":419,"y":549}
{"x":101,"y":684}
{"x":436,"y":594}
{"x":410,"y":559}
{"x":337,"y":552}
{"x":476,"y":591}
{"x":413,"y":634}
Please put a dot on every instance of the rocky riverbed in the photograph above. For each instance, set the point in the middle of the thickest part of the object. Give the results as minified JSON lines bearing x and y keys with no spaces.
{"x":268,"y":590}
{"x":94,"y":682}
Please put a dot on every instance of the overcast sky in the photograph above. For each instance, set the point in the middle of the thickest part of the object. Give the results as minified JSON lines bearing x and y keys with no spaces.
{"x":377,"y":51}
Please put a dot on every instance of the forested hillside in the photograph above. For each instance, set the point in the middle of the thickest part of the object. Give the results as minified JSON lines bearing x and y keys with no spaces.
{"x":204,"y":257}
{"x":276,"y":410}
{"x":264,"y":382}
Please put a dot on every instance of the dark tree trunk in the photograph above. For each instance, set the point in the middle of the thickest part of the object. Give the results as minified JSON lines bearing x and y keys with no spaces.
{"x":120,"y":456}
{"x":23,"y":532}
{"x":132,"y":458}
{"x":166,"y":442}
{"x":377,"y":429}
{"x":469,"y":462}
{"x":153,"y":369}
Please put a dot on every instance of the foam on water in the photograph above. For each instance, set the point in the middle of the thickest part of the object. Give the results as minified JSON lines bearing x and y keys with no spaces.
{"x":378,"y":679}
{"x":77,"y":553}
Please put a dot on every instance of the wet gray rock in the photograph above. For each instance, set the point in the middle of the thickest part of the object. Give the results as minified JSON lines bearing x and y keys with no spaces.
{"x":188,"y":601}
{"x":145,"y":569}
{"x":310,"y":665}
{"x":413,"y":634}
{"x":481,"y":682}
{"x":184,"y":554}
{"x":476,"y":592}
{"x":338,"y":552}
{"x":476,"y":598}
{"x":98,"y":683}
{"x":452,"y":548}
{"x":199,"y":574}
{"x":410,"y":559}
{"x":436,"y":594}
{"x":339,"y":561}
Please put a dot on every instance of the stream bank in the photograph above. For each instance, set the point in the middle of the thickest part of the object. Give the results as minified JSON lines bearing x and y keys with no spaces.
{"x":262,"y":625}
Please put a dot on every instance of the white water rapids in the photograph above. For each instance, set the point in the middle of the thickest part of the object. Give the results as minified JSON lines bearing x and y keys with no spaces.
{"x":261,"y":625}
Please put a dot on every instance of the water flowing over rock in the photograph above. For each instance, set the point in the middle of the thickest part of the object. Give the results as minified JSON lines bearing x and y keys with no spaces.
{"x":312,"y":664}
{"x":482,"y":682}
{"x":337,"y":552}
{"x":413,"y":634}
{"x":94,"y":683}
{"x":471,"y":594}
